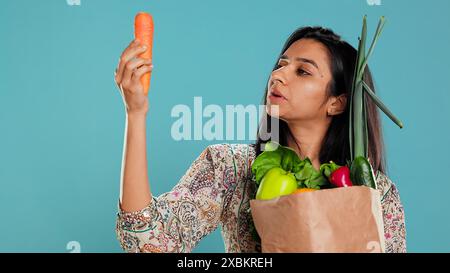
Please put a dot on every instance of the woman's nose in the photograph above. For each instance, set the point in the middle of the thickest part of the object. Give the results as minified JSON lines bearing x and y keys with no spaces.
{"x":276,"y":77}
{"x":280,"y":75}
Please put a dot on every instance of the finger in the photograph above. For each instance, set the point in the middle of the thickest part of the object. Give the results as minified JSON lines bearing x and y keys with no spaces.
{"x":128,"y":54}
{"x":122,"y":61}
{"x":130,"y":45}
{"x":131,"y":66}
{"x":139,"y":72}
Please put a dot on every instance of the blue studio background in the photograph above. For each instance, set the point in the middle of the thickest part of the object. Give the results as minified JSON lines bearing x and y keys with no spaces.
{"x":62,"y":118}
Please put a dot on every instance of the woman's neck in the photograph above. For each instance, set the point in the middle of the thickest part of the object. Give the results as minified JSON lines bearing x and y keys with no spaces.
{"x":306,"y":140}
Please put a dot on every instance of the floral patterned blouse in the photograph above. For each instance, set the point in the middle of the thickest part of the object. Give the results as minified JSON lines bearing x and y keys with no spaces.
{"x":216,"y":190}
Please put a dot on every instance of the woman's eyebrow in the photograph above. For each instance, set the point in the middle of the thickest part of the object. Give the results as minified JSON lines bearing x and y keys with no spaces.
{"x":300,"y":59}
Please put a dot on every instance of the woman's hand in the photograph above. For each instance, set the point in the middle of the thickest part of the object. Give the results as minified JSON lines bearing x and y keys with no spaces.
{"x":127,"y":77}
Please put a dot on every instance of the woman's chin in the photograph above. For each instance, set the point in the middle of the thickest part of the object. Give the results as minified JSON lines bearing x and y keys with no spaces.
{"x":274,"y":110}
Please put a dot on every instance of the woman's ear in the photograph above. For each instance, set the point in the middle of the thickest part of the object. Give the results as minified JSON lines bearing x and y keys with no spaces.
{"x":337,"y":105}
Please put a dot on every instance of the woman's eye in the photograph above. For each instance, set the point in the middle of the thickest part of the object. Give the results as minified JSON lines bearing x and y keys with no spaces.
{"x":302,"y":72}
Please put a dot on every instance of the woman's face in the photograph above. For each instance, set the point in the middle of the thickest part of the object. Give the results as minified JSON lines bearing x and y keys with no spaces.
{"x":302,"y":80}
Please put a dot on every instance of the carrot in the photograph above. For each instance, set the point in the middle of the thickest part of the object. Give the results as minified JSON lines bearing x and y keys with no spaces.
{"x":143,"y":31}
{"x":303,"y":190}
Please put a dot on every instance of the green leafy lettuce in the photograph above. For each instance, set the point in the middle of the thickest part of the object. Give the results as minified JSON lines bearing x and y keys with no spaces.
{"x":276,"y":155}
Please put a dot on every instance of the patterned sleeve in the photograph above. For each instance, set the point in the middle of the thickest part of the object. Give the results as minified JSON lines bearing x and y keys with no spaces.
{"x":394,"y":217}
{"x":177,"y":220}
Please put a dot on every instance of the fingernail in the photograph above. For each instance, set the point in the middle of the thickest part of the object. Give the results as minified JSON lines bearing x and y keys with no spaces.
{"x":144,"y":47}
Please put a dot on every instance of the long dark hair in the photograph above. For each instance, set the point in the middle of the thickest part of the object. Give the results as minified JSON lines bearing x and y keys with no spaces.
{"x":335,"y":145}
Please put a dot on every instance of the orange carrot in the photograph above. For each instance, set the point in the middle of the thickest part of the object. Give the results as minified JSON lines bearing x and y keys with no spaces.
{"x":143,"y":31}
{"x":303,"y":190}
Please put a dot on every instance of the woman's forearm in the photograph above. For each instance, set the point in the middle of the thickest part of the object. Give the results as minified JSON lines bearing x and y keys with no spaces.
{"x":134,"y":185}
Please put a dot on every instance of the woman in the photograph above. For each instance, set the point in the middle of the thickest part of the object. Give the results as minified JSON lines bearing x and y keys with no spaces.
{"x":310,"y":84}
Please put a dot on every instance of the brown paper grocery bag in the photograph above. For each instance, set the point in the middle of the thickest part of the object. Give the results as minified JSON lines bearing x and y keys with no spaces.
{"x":329,"y":220}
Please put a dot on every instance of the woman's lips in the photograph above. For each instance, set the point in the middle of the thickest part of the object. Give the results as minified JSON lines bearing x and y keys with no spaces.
{"x":276,"y":96}
{"x":276,"y":99}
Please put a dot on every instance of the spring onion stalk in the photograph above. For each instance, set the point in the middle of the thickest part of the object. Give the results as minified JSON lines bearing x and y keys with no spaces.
{"x":357,"y":134}
{"x":360,"y":166}
{"x":356,"y":84}
{"x":358,"y":131}
{"x":381,"y":105}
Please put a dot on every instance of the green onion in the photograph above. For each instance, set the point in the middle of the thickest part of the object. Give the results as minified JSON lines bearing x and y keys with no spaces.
{"x":381,"y":105}
{"x":358,"y":127}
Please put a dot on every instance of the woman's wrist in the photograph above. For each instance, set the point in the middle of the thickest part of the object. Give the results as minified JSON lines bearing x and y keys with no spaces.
{"x":136,"y":115}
